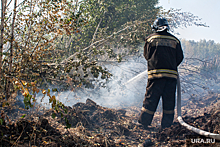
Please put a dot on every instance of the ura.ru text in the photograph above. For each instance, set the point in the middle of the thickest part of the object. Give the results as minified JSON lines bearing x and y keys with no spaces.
{"x":200,"y":140}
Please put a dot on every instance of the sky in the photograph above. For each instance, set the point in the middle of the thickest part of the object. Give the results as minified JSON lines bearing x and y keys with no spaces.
{"x":208,"y":10}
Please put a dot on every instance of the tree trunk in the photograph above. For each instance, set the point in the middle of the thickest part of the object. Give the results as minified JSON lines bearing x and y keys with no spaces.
{"x":1,"y":42}
{"x":8,"y":87}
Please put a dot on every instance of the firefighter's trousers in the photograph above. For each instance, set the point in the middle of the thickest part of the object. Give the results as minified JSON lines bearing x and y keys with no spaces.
{"x":156,"y":88}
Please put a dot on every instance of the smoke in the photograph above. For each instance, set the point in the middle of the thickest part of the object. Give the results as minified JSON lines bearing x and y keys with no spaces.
{"x":128,"y":86}
{"x":125,"y":88}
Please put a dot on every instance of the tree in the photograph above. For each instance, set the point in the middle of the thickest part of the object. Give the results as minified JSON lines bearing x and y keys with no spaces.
{"x":28,"y":32}
{"x":114,"y":30}
{"x":109,"y":17}
{"x":179,"y":19}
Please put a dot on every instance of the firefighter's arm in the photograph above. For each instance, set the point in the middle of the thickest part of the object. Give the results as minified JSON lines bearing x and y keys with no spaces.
{"x":179,"y":54}
{"x":146,"y":50}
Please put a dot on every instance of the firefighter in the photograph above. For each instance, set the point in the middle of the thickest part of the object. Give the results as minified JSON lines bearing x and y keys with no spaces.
{"x":163,"y":53}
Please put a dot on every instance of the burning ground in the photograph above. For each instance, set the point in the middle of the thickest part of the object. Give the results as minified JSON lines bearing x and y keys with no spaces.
{"x":94,"y":125}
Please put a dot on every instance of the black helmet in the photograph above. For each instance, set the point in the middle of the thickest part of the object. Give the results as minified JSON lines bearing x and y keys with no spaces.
{"x":160,"y":24}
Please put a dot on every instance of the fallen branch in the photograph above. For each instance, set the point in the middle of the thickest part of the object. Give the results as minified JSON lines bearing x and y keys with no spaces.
{"x":18,"y":137}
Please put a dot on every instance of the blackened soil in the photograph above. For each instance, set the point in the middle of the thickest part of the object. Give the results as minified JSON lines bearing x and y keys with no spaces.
{"x":94,"y":125}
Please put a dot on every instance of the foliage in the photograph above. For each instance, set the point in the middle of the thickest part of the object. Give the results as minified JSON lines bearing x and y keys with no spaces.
{"x":40,"y":27}
{"x":111,"y":16}
{"x":114,"y":30}
{"x":27,"y":44}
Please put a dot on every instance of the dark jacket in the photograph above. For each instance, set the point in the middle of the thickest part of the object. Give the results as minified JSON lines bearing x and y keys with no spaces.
{"x":163,"y":53}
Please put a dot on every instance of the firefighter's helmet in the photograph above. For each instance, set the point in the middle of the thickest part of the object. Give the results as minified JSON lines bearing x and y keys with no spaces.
{"x":160,"y":24}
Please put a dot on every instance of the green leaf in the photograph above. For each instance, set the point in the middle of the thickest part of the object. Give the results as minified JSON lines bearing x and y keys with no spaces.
{"x":57,"y":108}
{"x":6,"y":54}
{"x":53,"y":115}
{"x":68,"y":125}
{"x":23,"y":116}
{"x":54,"y":90}
{"x":1,"y":121}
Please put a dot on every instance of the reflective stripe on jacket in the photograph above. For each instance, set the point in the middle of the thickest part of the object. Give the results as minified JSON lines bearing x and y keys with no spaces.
{"x":164,"y":53}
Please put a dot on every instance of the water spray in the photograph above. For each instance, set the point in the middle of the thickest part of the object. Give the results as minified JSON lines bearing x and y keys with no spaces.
{"x":179,"y":118}
{"x":140,"y":75}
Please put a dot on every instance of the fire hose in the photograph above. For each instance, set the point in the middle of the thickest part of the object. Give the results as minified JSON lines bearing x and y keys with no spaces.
{"x":179,"y":118}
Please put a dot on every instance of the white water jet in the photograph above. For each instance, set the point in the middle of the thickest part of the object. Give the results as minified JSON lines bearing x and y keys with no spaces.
{"x":137,"y":77}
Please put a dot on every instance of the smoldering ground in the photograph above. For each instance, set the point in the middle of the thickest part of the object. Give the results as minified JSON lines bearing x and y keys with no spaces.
{"x":127,"y":86}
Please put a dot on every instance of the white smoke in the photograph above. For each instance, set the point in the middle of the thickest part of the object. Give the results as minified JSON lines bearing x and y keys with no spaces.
{"x":126,"y":87}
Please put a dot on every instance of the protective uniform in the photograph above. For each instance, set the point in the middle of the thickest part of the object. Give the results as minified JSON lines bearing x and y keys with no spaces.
{"x":163,"y":53}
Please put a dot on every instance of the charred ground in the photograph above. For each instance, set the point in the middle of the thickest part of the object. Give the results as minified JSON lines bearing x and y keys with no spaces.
{"x":94,"y":125}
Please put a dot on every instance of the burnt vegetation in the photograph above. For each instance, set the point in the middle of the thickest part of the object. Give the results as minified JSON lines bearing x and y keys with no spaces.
{"x":94,"y":125}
